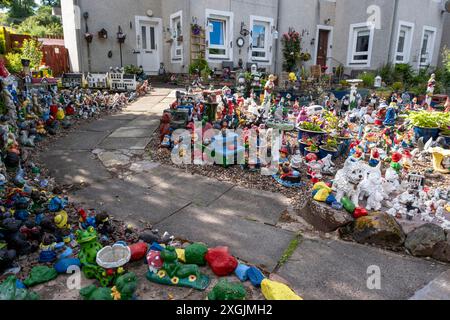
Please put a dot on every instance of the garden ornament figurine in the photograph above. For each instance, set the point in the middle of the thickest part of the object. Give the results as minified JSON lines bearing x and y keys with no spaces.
{"x":268,"y":91}
{"x":441,"y":160}
{"x":430,"y":89}
{"x":372,"y":189}
{"x":348,"y":179}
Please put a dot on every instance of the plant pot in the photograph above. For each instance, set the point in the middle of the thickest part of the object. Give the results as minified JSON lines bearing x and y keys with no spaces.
{"x":323,"y":153}
{"x":426,"y":133}
{"x":302,"y":146}
{"x":306,"y":152}
{"x":344,"y":146}
{"x":447,"y":138}
{"x":311,"y":134}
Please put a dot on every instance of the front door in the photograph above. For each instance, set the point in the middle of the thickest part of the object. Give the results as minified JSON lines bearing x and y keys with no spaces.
{"x":322,"y":48}
{"x":148,"y":37}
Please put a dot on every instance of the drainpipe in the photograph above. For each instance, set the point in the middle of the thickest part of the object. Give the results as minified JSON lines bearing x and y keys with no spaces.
{"x":393,"y":35}
{"x":79,"y":40}
{"x":277,"y":41}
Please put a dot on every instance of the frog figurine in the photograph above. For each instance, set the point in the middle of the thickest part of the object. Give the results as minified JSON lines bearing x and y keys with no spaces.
{"x":175,"y":273}
{"x":88,"y":241}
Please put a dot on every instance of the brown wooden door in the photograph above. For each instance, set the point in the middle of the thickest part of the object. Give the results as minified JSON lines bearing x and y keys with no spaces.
{"x":322,"y":48}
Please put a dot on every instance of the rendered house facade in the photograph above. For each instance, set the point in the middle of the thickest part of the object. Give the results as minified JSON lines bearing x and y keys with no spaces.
{"x":359,"y":34}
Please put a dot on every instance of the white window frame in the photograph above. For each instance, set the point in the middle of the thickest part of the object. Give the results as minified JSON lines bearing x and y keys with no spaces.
{"x":352,"y":42}
{"x":268,"y":42}
{"x":433,"y":43}
{"x":228,"y":35}
{"x":408,"y":42}
{"x":174,"y":46}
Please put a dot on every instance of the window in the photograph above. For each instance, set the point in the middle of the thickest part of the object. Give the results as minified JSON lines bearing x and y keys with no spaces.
{"x":219,"y":32}
{"x":261,"y":39}
{"x":360,"y":44}
{"x":404,"y":42}
{"x":176,"y":27}
{"x":427,"y":49}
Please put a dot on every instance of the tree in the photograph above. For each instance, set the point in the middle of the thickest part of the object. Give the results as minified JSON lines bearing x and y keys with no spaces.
{"x":18,"y":10}
{"x":41,"y":24}
{"x":51,"y":3}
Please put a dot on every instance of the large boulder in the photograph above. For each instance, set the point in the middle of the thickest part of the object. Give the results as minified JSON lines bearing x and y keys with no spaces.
{"x":441,"y":251}
{"x":422,"y":241}
{"x":378,"y":229}
{"x":324,"y":218}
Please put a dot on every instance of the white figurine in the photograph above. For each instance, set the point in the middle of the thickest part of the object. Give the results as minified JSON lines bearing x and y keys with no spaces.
{"x":348,"y":179}
{"x":390,"y":182}
{"x":372,"y":188}
{"x":328,"y":165}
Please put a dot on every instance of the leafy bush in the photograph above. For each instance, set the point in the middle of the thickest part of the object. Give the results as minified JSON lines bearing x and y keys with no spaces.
{"x":368,"y":78}
{"x":132,"y":69}
{"x":426,"y":119}
{"x":198,"y":67}
{"x":291,"y":50}
{"x":386,"y":73}
{"x":397,"y":86}
{"x":14,"y":62}
{"x":32,"y":50}
{"x":403,"y":72}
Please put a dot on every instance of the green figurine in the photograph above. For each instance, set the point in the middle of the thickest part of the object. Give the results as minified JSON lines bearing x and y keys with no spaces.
{"x":88,"y":241}
{"x":175,"y":273}
{"x":225,"y":290}
{"x":124,"y":288}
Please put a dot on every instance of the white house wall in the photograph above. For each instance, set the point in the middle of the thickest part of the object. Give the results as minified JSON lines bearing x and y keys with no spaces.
{"x":303,"y":15}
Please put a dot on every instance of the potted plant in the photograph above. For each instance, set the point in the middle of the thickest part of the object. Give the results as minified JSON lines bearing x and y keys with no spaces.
{"x":311,"y":147}
{"x":427,"y":124}
{"x":445,"y":133}
{"x":330,"y":146}
{"x":196,"y":29}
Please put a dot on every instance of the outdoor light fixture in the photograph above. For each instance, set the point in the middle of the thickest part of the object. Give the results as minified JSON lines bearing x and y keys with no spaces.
{"x":244,"y":32}
{"x":121,"y":38}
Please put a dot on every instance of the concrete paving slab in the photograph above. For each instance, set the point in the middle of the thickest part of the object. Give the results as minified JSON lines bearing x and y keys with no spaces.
{"x":126,"y":201}
{"x":145,"y":122}
{"x":130,"y":132}
{"x":124,"y":143}
{"x":337,"y":270}
{"x":200,"y":190}
{"x":80,"y":140}
{"x":249,"y":241}
{"x":103,"y":125}
{"x":438,"y":289}
{"x":262,"y":206}
{"x":72,"y":167}
{"x":120,"y":116}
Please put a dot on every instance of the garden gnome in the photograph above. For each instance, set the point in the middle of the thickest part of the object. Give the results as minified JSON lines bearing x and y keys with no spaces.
{"x":268,"y":90}
{"x":430,"y":88}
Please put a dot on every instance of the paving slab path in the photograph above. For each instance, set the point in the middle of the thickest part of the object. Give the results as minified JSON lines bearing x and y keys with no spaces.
{"x":217,"y":213}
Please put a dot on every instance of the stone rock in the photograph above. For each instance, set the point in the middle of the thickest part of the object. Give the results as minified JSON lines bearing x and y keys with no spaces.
{"x":378,"y":229}
{"x":441,"y":251}
{"x":324,"y":217}
{"x":112,"y":159}
{"x":421,"y":241}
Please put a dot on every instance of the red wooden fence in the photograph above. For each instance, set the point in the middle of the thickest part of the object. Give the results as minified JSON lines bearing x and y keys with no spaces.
{"x":57,"y":58}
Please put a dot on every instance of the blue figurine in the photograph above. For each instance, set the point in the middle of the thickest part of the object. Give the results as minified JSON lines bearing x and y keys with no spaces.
{"x":390,"y":116}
